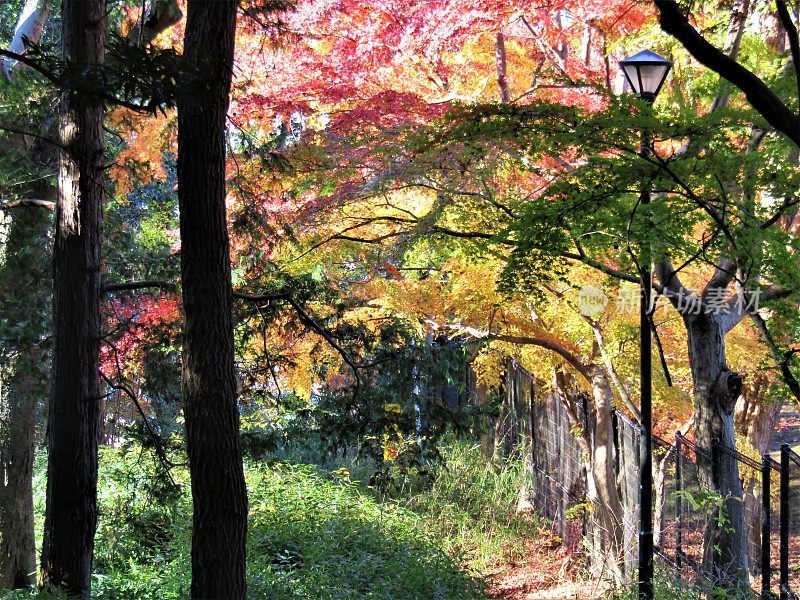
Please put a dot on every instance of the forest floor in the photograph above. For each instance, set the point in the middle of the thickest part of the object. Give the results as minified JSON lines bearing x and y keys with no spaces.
{"x":547,"y":572}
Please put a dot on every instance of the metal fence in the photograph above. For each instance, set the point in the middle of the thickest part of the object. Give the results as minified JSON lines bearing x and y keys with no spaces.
{"x":789,"y":517}
{"x":559,"y":473}
{"x":771,"y":502}
{"x":771,"y":498}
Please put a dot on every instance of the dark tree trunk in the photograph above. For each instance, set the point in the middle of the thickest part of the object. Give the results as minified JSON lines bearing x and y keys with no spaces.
{"x":18,"y":558}
{"x":716,"y":390}
{"x":71,"y":505}
{"x":209,"y":378}
{"x":23,"y":299}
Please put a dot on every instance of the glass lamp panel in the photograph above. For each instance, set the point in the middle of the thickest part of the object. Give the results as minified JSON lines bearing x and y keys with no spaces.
{"x":631,"y":76}
{"x":652,"y":76}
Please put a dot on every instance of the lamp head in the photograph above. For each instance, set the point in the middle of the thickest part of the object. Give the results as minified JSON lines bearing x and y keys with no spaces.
{"x":646,"y":72}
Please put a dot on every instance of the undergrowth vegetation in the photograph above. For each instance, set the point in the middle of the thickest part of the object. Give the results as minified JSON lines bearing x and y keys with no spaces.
{"x":316,"y":531}
{"x":667,"y":587}
{"x":471,"y":506}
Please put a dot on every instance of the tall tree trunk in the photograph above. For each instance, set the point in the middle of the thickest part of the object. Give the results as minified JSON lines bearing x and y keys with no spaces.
{"x":23,"y":300}
{"x":209,"y":379}
{"x":755,"y":415}
{"x":71,"y":504}
{"x":17,"y":549}
{"x":716,"y":390}
{"x":29,"y":26}
{"x":609,"y":504}
{"x":755,"y":420}
{"x":596,"y":441}
{"x":660,"y":485}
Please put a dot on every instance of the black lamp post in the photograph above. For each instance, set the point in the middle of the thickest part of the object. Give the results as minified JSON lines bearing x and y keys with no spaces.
{"x":646,"y":72}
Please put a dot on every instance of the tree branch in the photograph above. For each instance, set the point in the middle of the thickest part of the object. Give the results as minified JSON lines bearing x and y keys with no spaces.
{"x":783,"y":357}
{"x":582,"y":257}
{"x":672,"y":288}
{"x":28,"y":203}
{"x":723,"y":275}
{"x":307,"y":320}
{"x":735,"y":310}
{"x":662,"y":357}
{"x":500,"y":60}
{"x":739,"y":12}
{"x":160,"y":452}
{"x":139,"y":285}
{"x":758,"y":94}
{"x":794,"y":43}
{"x":623,"y":391}
{"x":18,"y":131}
{"x":568,"y":356}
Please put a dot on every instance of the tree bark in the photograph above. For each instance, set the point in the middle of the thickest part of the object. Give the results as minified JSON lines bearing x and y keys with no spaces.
{"x":603,"y":473}
{"x":17,"y":548}
{"x":755,"y":421}
{"x":716,"y":390}
{"x":598,"y":446}
{"x":209,"y":379}
{"x":71,"y":503}
{"x":29,"y":25}
{"x":22,"y":376}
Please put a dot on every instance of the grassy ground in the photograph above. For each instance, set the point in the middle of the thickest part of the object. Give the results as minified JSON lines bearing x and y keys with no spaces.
{"x":314,"y":532}
{"x":471,"y":508}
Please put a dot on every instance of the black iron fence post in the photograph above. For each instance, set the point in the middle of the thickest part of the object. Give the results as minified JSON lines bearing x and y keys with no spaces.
{"x":766,"y":467}
{"x":679,"y":502}
{"x":784,"y":516}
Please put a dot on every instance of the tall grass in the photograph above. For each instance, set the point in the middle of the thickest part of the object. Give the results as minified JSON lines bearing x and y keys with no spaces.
{"x":471,"y":506}
{"x":312,"y":536}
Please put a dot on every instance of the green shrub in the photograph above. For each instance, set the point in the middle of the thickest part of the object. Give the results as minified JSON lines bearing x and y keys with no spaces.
{"x":315,"y":538}
{"x":312,"y":536}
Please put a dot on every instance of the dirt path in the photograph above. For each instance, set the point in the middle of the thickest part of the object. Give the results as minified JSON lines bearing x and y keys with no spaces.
{"x":546,"y":573}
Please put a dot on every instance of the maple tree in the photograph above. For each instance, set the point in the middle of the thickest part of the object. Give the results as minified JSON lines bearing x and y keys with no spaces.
{"x":570,"y":154}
